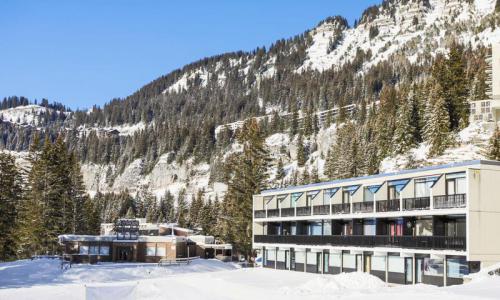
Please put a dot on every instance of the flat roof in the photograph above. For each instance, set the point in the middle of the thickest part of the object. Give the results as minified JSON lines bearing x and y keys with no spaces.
{"x":112,"y":238}
{"x":402,"y":172}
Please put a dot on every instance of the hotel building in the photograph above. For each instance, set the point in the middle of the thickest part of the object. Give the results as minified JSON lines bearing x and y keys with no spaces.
{"x":431,"y":225}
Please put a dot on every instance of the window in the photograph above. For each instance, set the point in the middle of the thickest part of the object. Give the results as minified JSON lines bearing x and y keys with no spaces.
{"x":335,"y":260}
{"x":311,"y":258}
{"x":328,"y":194}
{"x":346,"y":197}
{"x":457,"y":267}
{"x":395,"y":188}
{"x":293,"y":199}
{"x":349,"y":261}
{"x":151,"y":251}
{"x":160,"y":251}
{"x":433,"y":267}
{"x":378,"y":263}
{"x":455,"y":183}
{"x":423,"y":186}
{"x":84,"y":250}
{"x":310,"y":197}
{"x":396,"y":264}
{"x":316,"y":228}
{"x":368,"y":195}
{"x":104,"y":250}
{"x":94,"y":250}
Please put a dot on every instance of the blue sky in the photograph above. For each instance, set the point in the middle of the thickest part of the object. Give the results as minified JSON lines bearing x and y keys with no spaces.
{"x":82,"y":53}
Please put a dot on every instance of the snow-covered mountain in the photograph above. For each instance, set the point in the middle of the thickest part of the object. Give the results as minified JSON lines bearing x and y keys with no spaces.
{"x":397,"y":31}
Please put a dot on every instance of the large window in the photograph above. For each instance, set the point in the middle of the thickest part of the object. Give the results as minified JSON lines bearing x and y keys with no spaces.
{"x":395,"y":187}
{"x":455,"y":183}
{"x":335,"y":260}
{"x":316,"y":228}
{"x":293,"y":199}
{"x":160,"y":251}
{"x":312,"y":258}
{"x":349,"y":261}
{"x":368,"y":195}
{"x":423,"y":186}
{"x":328,"y":194}
{"x":310,"y":197}
{"x":457,"y":267}
{"x":377,"y":263}
{"x":300,"y":257}
{"x":433,"y":267}
{"x":396,"y":264}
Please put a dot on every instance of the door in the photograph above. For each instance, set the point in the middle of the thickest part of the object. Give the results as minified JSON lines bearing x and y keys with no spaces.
{"x":292,"y":259}
{"x":419,"y":269}
{"x":409,"y":270}
{"x":125,"y":253}
{"x":359,"y":262}
{"x":368,"y":263}
{"x":318,"y":262}
{"x":326,"y":261}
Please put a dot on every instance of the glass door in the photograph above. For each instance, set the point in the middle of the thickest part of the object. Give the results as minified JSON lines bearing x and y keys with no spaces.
{"x":292,"y":259}
{"x":326,"y":261}
{"x":368,"y":264}
{"x":359,"y":262}
{"x":419,"y":269}
{"x":409,"y":270}
{"x":287,"y":259}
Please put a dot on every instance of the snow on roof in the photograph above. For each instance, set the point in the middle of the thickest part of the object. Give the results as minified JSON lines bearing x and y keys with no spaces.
{"x":112,"y":238}
{"x":410,"y":171}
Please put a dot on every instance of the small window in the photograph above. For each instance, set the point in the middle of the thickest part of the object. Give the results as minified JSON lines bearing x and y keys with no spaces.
{"x":151,"y":251}
{"x":104,"y":250}
{"x":84,"y":249}
{"x":160,"y":251}
{"x":94,"y":250}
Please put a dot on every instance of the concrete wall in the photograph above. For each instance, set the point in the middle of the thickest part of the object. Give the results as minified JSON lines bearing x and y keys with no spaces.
{"x":484,"y":215}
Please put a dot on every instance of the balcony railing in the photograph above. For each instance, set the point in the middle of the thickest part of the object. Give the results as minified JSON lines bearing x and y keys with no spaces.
{"x":387,"y":205}
{"x":341,"y":208}
{"x":272,"y":213}
{"x":288,"y":212}
{"x":412,"y":242}
{"x":259,"y":214}
{"x":363,"y":207}
{"x":449,"y":201}
{"x":416,"y":203}
{"x":304,"y":211}
{"x":321,"y":210}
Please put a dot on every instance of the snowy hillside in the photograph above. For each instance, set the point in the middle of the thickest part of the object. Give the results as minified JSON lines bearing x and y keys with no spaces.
{"x":210,"y":279}
{"x":23,"y":115}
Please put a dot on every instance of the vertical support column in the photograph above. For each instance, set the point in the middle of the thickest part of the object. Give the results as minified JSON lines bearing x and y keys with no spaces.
{"x":431,"y":200}
{"x":414,"y":270}
{"x":445,"y":271}
{"x":386,"y":267}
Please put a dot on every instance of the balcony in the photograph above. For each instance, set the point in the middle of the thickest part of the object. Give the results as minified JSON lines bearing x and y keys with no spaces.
{"x":362,"y":207}
{"x":411,"y":242}
{"x":341,"y":208}
{"x":258,"y":214}
{"x":418,"y":203}
{"x":321,"y":210}
{"x":288,"y":212}
{"x":273,"y":213}
{"x":303,"y":211}
{"x":449,"y":201}
{"x":387,"y":205}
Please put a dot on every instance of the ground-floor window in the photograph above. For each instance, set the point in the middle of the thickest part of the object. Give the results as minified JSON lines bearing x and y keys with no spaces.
{"x":84,"y":249}
{"x":151,"y":251}
{"x":348,"y":261}
{"x":160,"y":251}
{"x":104,"y":250}
{"x":433,"y":267}
{"x":335,"y":260}
{"x":377,"y":263}
{"x":457,"y":267}
{"x":93,"y":250}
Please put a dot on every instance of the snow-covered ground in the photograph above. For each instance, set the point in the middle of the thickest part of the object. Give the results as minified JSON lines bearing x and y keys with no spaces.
{"x":211,"y":279}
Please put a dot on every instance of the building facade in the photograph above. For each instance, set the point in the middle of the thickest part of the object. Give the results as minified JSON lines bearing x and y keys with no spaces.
{"x":135,"y":240}
{"x":430,"y":225}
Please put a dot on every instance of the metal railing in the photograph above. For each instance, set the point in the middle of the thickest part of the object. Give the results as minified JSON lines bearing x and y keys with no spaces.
{"x":321,"y":209}
{"x":416,"y":203}
{"x":412,"y":242}
{"x":388,"y":205}
{"x":288,"y":212}
{"x":271,"y":213}
{"x":341,"y":208}
{"x":363,"y":207}
{"x":304,"y":211}
{"x":259,"y":214}
{"x":449,"y":201}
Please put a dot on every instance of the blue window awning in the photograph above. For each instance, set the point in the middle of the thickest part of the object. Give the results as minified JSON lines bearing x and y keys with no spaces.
{"x":351,"y":189}
{"x":330,"y":192}
{"x":374,"y":188}
{"x":296,"y":196}
{"x":312,"y":194}
{"x":399,"y":184}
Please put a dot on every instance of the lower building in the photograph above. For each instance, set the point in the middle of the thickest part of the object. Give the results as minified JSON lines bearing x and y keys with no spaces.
{"x":134,"y":240}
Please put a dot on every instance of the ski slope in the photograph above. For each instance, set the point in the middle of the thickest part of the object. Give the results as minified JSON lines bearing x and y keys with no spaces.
{"x":211,"y":279}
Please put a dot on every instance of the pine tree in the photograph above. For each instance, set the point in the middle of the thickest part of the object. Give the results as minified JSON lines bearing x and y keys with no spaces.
{"x":78,"y":195}
{"x":280,"y":171}
{"x":437,"y":127}
{"x":301,"y":152}
{"x":494,"y":145}
{"x":181,"y":213}
{"x":248,"y":175}
{"x":404,"y":135}
{"x":10,"y":197}
{"x":130,"y":213}
{"x":195,"y":210}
